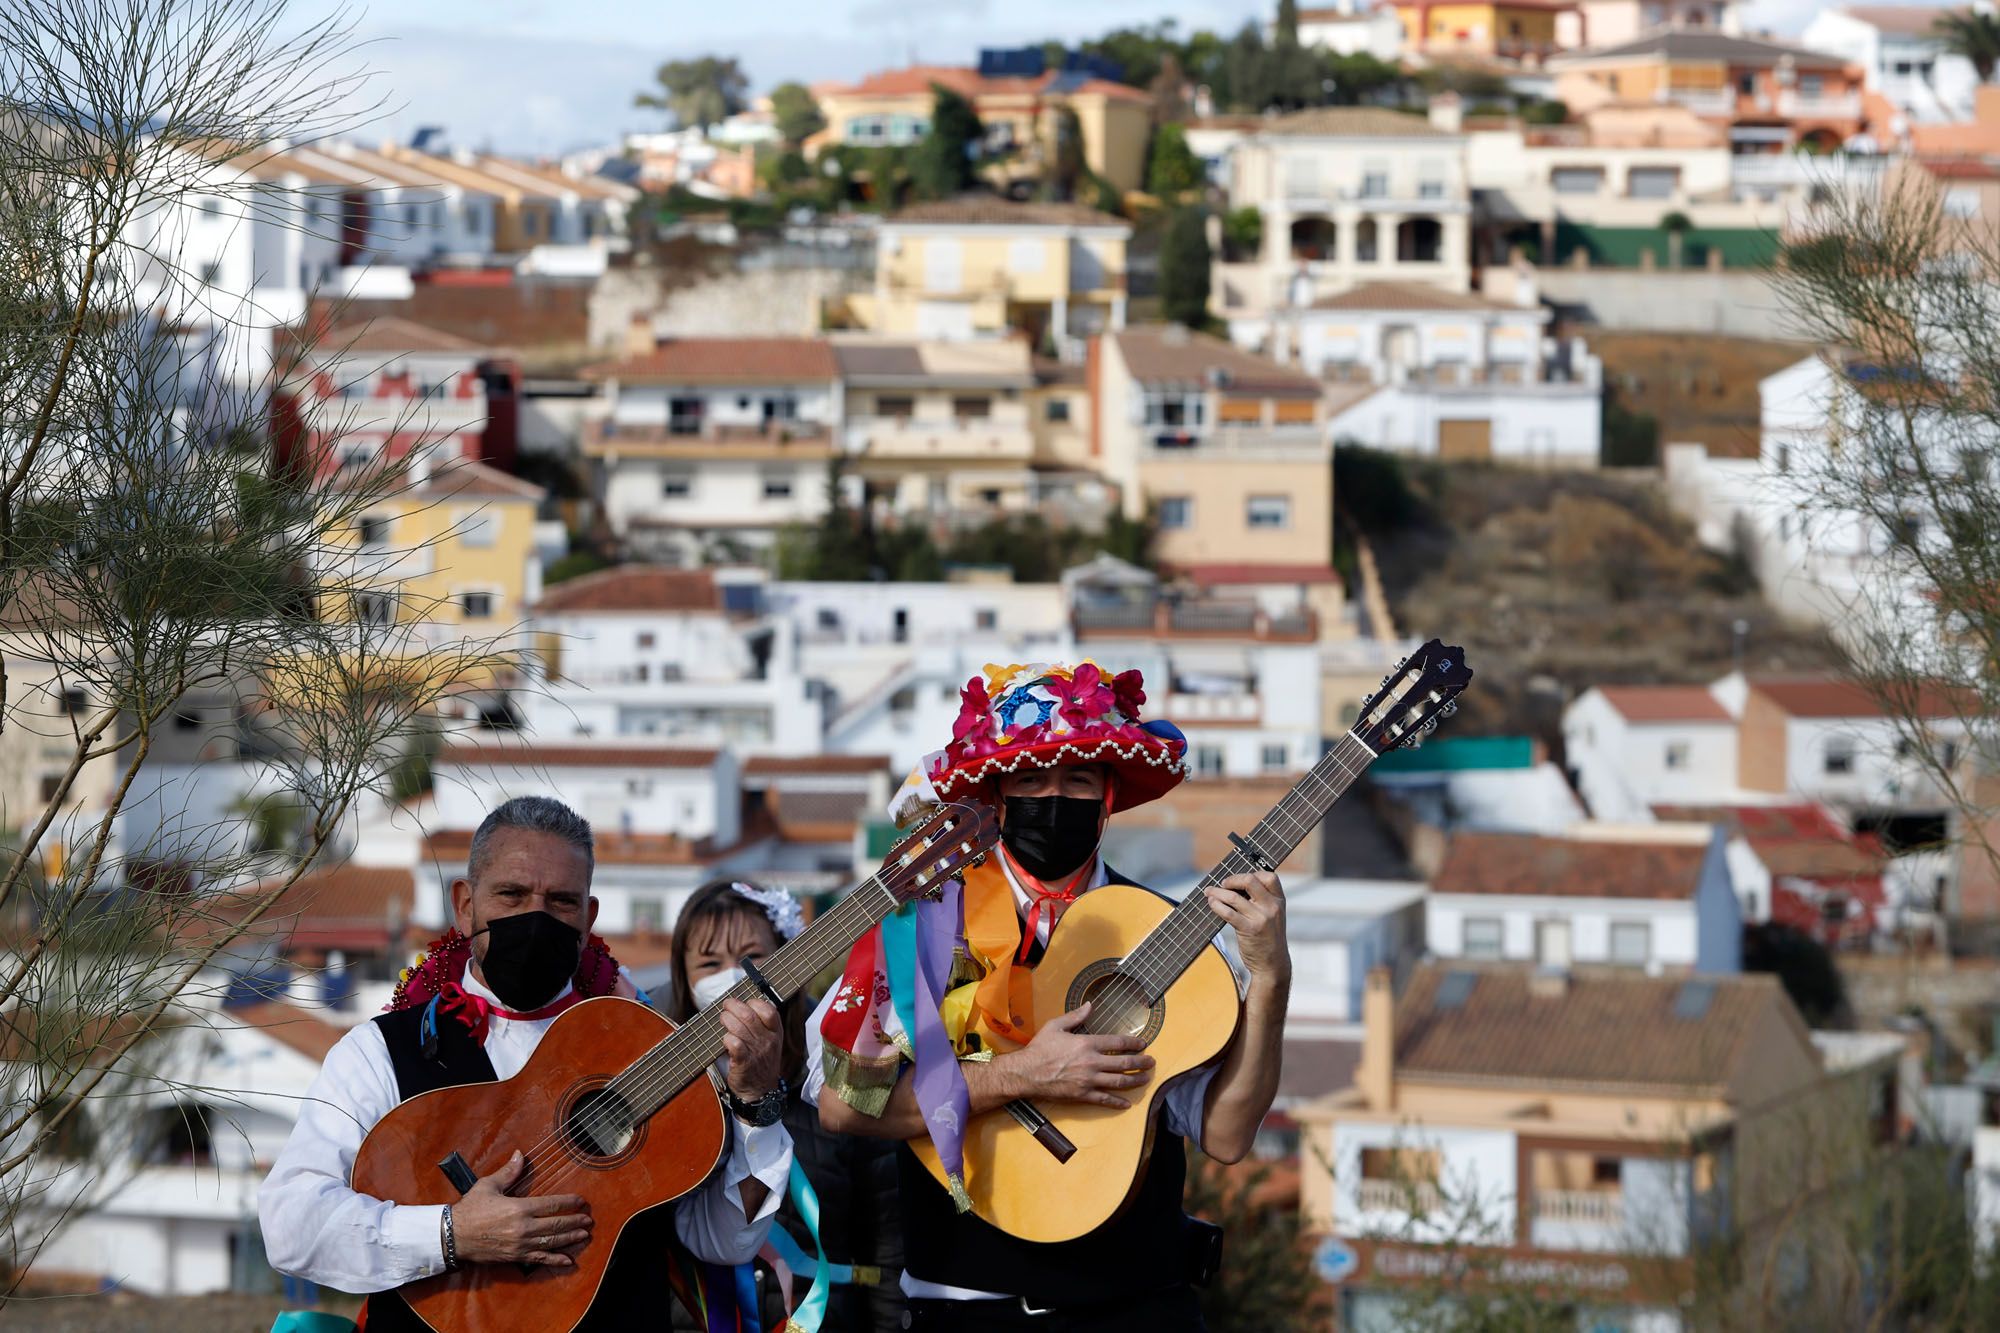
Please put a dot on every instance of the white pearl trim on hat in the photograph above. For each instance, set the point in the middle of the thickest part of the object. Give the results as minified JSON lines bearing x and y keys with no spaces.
{"x":1159,"y":756}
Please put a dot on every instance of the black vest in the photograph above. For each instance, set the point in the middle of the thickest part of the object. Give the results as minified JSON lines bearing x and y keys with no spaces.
{"x":1141,"y":1249}
{"x":633,"y":1288}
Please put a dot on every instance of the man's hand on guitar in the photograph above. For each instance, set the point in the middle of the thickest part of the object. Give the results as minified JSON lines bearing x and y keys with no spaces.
{"x":1063,"y":1064}
{"x":491,"y":1227}
{"x":1255,"y":905}
{"x":754,"y":1041}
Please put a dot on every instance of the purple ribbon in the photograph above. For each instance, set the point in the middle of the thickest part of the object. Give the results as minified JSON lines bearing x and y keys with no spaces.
{"x":939,"y":1084}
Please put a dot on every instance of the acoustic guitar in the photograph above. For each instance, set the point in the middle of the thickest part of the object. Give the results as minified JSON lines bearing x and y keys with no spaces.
{"x":1149,"y":967}
{"x":616,"y":1105}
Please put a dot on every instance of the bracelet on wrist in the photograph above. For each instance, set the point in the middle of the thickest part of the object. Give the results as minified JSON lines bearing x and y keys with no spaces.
{"x":448,"y":1240}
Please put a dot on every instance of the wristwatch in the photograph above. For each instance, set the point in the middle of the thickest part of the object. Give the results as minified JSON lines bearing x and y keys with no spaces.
{"x":766,"y":1110}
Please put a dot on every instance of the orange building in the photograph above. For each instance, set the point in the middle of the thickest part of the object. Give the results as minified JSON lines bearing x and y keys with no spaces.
{"x":1770,"y":96}
{"x":1523,"y":30}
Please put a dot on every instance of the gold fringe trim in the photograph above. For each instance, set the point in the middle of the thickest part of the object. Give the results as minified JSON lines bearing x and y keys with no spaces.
{"x":960,"y":1199}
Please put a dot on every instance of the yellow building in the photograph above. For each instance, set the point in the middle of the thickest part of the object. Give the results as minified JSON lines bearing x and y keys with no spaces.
{"x":978,"y":265}
{"x":1602,"y":1138}
{"x":893,"y":109}
{"x":1523,"y":30}
{"x":457,"y":549}
{"x":1228,"y":449}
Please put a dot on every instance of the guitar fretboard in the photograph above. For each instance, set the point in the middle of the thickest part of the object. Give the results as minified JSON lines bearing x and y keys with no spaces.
{"x":1173,"y":945}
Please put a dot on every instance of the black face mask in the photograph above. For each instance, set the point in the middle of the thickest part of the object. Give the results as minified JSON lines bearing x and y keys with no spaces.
{"x":530,"y":957}
{"x":1051,"y":836}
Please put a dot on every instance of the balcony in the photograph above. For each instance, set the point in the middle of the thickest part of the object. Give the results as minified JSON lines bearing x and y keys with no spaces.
{"x":1795,"y":105}
{"x":1596,"y":1208}
{"x":690,"y":439}
{"x":1239,"y":710}
{"x":1719,"y":102}
{"x":1162,"y":619}
{"x":1420,"y":1199}
{"x":1170,"y":444}
{"x":992,"y":437}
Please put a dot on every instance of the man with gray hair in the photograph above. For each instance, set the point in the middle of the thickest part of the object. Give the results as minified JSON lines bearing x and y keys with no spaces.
{"x":514,"y":960}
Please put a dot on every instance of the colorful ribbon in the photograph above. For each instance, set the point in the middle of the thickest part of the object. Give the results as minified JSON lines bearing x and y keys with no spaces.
{"x":475,"y":1011}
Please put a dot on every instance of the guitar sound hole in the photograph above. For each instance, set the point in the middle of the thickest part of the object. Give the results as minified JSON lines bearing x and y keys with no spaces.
{"x":1117,"y":1003}
{"x":600,"y":1124}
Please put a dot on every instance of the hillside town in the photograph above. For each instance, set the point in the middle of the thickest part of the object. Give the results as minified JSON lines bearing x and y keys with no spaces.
{"x":690,"y":476}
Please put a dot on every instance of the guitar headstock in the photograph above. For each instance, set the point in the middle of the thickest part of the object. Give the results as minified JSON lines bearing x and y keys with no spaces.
{"x":1413,"y":697}
{"x":950,"y":841}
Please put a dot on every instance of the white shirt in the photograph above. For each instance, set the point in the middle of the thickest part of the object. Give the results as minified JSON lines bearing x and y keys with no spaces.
{"x":1183,"y":1098}
{"x":315,"y":1227}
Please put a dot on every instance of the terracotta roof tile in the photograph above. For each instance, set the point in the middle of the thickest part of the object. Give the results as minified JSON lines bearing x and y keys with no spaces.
{"x":1664,"y":703}
{"x":1804,"y":841}
{"x":388,"y":333}
{"x":1344,"y":122}
{"x":572,"y":756}
{"x":1530,"y":865}
{"x":727,"y":361}
{"x":990,"y":210}
{"x":630,"y":588}
{"x":1617,"y":1029}
{"x":1170,"y":354}
{"x":305,"y":1032}
{"x":1410,"y":296}
{"x":772,"y":765}
{"x":1822,"y":696}
{"x":337,"y":907}
{"x":1904,"y":20}
{"x":467,"y":478}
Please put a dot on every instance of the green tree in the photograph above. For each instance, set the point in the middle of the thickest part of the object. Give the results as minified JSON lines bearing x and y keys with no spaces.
{"x":1265,"y":1284}
{"x":1676,"y":225}
{"x":1172,"y":169}
{"x":1243,"y":233}
{"x":945,"y":163}
{"x":1356,"y":78}
{"x":796,"y":113}
{"x":1184,"y":261}
{"x":698,"y":92}
{"x":1286,"y":28}
{"x":1067,"y":168}
{"x":1169,"y":91}
{"x":1974,"y":34}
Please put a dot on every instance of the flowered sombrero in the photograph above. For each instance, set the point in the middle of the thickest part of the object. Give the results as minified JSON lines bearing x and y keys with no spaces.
{"x":1042,"y":715}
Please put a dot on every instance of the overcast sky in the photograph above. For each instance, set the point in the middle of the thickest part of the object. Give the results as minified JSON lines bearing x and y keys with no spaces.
{"x":544,"y":76}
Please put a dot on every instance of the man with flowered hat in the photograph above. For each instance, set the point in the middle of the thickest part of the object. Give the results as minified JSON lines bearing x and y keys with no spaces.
{"x":1057,"y":750}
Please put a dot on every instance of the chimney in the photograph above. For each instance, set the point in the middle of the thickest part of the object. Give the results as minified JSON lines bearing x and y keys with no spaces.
{"x":639,"y":339}
{"x":1448,"y":113}
{"x":1549,"y":983}
{"x":1377,"y":1076}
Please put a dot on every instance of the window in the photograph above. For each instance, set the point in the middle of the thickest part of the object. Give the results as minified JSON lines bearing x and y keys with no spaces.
{"x":476,"y":605}
{"x":1482,"y":937}
{"x":211,"y":273}
{"x":1176,"y":511}
{"x":74,"y":701}
{"x":1631,"y":942}
{"x":777,"y":488}
{"x":1784,"y":459}
{"x":638,"y":786}
{"x":531,"y":223}
{"x":373,"y":529}
{"x":649,"y":914}
{"x":1948,"y":755}
{"x":1746,"y":84}
{"x":972,"y":408}
{"x":684,"y":415}
{"x":1577,"y":180}
{"x":645,"y":640}
{"x":1276,"y":758}
{"x":1430,"y":189}
{"x":1057,"y":410}
{"x":1677,"y":754}
{"x":827,"y":618}
{"x":479,"y":530}
{"x":676,"y":486}
{"x":1208,"y":761}
{"x":1652,"y":182}
{"x":1839,"y":755}
{"x":1268,"y":511}
{"x":1174,"y":409}
{"x":783,"y":407}
{"x":899,"y":407}
{"x":1375,"y":182}
{"x":187,"y":718}
{"x":1812,"y":85}
{"x":51,"y":784}
{"x":1606,"y":1171}
{"x":375,"y":608}
{"x":985,"y":617}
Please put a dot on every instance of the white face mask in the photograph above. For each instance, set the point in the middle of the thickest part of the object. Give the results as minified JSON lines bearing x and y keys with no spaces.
{"x":714,"y":986}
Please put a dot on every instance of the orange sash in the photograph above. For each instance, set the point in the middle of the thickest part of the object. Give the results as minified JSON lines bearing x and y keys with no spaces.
{"x":995,"y":1003}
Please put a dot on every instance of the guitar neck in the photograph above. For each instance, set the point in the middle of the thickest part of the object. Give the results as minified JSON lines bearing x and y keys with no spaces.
{"x":658,"y":1076}
{"x":1173,"y":945}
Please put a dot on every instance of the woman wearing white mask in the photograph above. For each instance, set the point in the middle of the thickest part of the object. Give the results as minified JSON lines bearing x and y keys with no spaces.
{"x":854,"y":1179}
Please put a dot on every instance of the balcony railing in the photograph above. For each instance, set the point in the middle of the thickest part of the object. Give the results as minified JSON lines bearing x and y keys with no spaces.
{"x":1837,"y":106}
{"x":1603,"y":1208}
{"x":1420,"y":1199}
{"x":1243,"y":619}
{"x":1703,"y":101}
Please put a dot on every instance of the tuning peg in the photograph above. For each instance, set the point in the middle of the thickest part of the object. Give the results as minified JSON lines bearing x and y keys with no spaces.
{"x":1449,"y":709}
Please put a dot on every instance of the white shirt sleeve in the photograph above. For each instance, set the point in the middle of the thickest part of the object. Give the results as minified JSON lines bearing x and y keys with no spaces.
{"x":711,"y":1222}
{"x":815,"y":1071}
{"x":315,"y":1227}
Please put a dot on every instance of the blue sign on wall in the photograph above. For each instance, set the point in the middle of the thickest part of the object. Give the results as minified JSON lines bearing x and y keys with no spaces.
{"x":1335,"y":1260}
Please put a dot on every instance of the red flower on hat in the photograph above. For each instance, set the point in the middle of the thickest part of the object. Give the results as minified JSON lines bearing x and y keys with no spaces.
{"x":974,"y":711}
{"x":1129,"y":689}
{"x":1085,"y":698}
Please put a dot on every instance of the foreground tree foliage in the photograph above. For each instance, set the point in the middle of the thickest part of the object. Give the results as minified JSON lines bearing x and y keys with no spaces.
{"x":153,"y":553}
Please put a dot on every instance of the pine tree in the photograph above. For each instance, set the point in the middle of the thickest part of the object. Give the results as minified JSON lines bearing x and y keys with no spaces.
{"x":945,"y":162}
{"x":1184,"y":269}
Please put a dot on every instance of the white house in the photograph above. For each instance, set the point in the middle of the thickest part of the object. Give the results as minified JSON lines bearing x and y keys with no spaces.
{"x":665,"y":656}
{"x":419,"y":218}
{"x":1903,"y":57}
{"x":1358,"y":27}
{"x":1652,"y":896}
{"x":714,"y":443}
{"x":1455,"y":376}
{"x":1348,"y":195}
{"x":1340,"y":929}
{"x":1630,"y":748}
